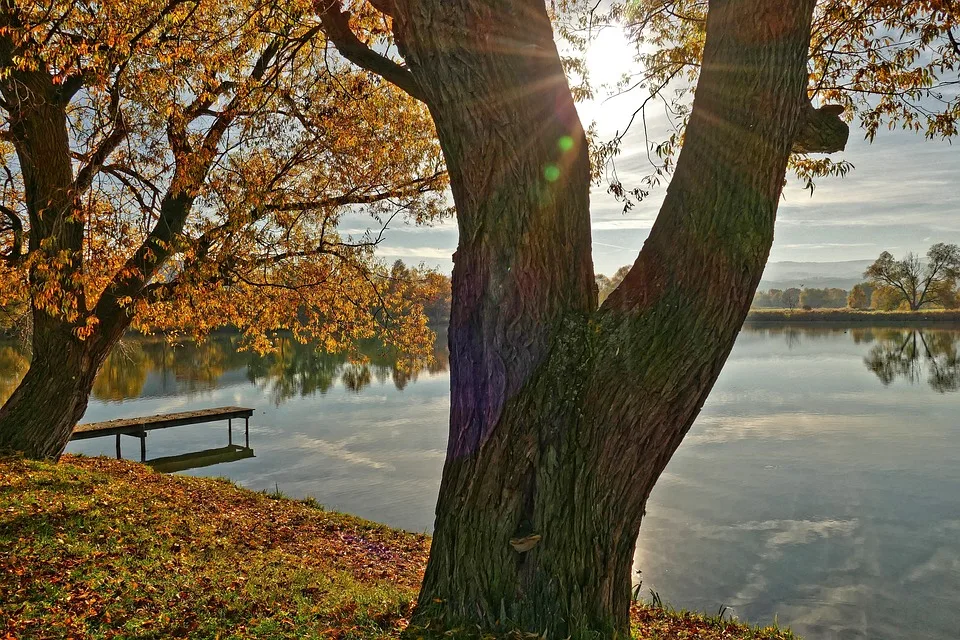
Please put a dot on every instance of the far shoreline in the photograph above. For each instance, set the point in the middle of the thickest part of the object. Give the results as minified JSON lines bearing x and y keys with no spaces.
{"x":940,"y":318}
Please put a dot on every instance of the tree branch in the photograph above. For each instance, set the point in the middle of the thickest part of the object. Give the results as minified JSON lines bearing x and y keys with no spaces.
{"x":884,"y":278}
{"x":386,"y":7}
{"x":89,"y":171}
{"x":954,"y":44}
{"x":336,"y":24}
{"x":201,"y":105}
{"x":177,"y":202}
{"x":287,"y":255}
{"x":99,"y":156}
{"x":411,"y":188}
{"x":15,"y":225}
{"x":132,"y":188}
{"x":115,"y":170}
{"x":72,"y":84}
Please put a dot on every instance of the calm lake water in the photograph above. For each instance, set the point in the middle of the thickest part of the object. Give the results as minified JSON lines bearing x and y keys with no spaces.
{"x":820,"y":485}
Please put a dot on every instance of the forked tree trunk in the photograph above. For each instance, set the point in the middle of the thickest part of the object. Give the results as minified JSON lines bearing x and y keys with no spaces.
{"x":563,"y":416}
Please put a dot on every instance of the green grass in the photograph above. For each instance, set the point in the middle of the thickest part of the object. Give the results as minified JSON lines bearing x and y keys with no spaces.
{"x":98,"y":548}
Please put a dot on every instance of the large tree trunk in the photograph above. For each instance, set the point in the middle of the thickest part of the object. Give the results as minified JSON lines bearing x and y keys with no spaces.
{"x":37,"y":420}
{"x":563,"y":416}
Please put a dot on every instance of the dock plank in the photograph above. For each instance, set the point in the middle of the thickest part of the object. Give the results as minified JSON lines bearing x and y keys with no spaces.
{"x":160,"y":421}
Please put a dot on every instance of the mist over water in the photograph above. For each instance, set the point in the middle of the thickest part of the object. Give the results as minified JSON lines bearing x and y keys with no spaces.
{"x":820,"y":484}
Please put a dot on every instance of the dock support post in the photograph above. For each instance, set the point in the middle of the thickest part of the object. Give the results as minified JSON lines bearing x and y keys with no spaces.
{"x":118,"y":446}
{"x":246,"y":431}
{"x":143,"y":446}
{"x":229,"y":431}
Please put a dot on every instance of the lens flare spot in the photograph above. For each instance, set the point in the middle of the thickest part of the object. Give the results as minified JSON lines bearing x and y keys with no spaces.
{"x":551,"y":173}
{"x":565,"y":143}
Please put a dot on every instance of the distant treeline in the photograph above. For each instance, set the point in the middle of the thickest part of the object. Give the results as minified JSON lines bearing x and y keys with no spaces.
{"x":863,"y":296}
{"x":794,"y":298}
{"x":912,"y":283}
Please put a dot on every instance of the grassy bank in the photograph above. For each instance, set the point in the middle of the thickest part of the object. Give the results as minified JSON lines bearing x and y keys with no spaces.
{"x":98,"y":548}
{"x":848,"y":316}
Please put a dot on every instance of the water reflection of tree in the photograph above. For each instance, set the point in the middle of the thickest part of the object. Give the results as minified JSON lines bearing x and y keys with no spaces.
{"x":13,"y":365}
{"x":292,"y":370}
{"x":914,"y":355}
{"x":123,"y":373}
{"x":296,"y":369}
{"x":189,"y":367}
{"x":896,"y":353}
{"x":791,"y":334}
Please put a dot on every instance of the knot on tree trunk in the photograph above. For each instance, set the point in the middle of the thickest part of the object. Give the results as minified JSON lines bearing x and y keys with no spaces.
{"x":526,"y":543}
{"x":823,"y":131}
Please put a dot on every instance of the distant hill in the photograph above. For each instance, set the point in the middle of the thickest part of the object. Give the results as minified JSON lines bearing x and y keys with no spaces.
{"x":818,"y":275}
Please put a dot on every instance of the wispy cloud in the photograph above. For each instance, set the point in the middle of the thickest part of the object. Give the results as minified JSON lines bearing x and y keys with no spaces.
{"x":824,"y":245}
{"x":432,"y":253}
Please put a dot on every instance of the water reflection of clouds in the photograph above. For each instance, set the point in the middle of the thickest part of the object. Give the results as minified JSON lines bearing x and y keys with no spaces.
{"x":781,"y":533}
{"x":866,"y":595}
{"x":339,"y":450}
{"x":837,"y":483}
{"x":833,"y":612}
{"x":943,"y":562}
{"x":829,"y":567}
{"x":713,"y":429}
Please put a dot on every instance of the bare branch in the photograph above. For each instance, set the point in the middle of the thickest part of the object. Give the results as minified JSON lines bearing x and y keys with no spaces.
{"x":89,"y":171}
{"x":115,"y":169}
{"x":411,"y":188}
{"x":15,"y":225}
{"x":953,"y":41}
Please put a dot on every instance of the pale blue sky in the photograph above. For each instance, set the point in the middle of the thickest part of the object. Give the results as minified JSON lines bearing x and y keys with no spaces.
{"x":902,"y":196}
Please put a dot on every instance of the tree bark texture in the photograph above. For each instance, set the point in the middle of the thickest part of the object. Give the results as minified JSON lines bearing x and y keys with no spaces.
{"x":562,"y":415}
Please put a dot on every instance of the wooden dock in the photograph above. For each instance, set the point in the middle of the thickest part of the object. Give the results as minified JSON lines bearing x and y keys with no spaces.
{"x":138,"y":427}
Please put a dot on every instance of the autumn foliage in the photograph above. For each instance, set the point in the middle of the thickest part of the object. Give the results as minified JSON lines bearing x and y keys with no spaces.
{"x":179,"y":165}
{"x":213,"y":148}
